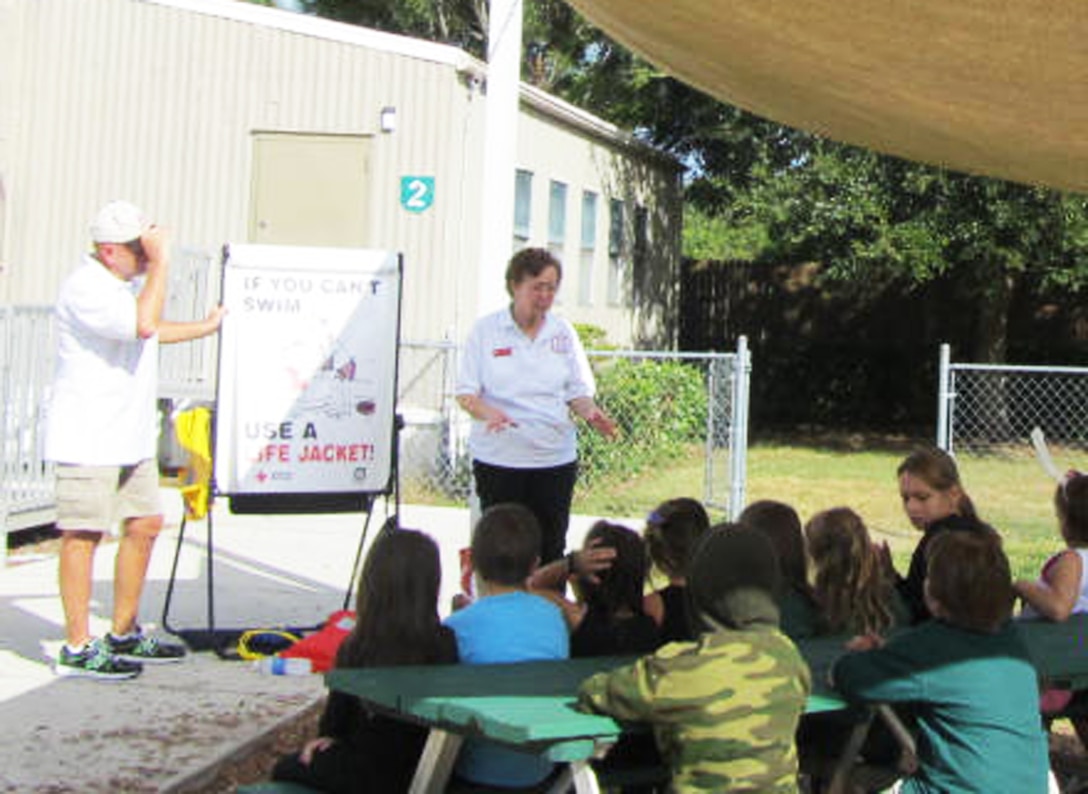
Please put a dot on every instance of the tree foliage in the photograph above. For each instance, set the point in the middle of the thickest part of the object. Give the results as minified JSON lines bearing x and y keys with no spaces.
{"x":761,"y":192}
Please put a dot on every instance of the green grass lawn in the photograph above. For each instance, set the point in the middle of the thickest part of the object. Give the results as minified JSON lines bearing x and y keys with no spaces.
{"x":1011,"y":493}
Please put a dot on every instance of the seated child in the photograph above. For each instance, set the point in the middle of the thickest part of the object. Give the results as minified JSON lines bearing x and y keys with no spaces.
{"x":506,"y":623}
{"x":1062,"y":588}
{"x":935,"y":501}
{"x":724,"y":708}
{"x":796,"y":601}
{"x":673,"y":529}
{"x":966,"y":674}
{"x":607,"y":617}
{"x":856,"y":595}
{"x":398,"y":624}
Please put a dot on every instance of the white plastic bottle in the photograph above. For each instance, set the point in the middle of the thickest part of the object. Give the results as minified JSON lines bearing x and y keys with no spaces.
{"x":278,"y":665}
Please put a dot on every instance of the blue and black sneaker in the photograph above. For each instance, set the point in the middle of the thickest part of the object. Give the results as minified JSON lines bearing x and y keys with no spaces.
{"x":95,"y":661}
{"x":140,"y":648}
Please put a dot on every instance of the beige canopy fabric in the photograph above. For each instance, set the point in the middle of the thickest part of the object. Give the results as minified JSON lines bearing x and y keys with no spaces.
{"x":983,"y":86}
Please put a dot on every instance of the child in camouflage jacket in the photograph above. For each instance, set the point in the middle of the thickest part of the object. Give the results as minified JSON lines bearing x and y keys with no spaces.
{"x":724,"y":708}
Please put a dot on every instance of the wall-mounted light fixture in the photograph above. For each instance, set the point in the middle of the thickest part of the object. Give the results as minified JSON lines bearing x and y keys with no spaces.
{"x":388,"y":118}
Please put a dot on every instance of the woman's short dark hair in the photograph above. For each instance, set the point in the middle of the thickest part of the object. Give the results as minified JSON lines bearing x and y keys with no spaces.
{"x":530,"y":263}
{"x":968,"y":574}
{"x":506,"y":544}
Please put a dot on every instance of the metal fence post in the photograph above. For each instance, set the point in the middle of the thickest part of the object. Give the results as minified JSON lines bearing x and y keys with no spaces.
{"x":738,"y":451}
{"x":5,"y":420}
{"x":944,"y":398}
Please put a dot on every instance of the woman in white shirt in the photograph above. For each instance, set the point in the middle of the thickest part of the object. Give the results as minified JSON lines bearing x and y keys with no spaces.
{"x":523,"y":373}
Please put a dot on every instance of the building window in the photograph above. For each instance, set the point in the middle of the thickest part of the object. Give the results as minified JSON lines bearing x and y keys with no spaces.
{"x":557,"y":219}
{"x":641,"y":252}
{"x":616,"y":251}
{"x":523,"y":203}
{"x":588,"y":251}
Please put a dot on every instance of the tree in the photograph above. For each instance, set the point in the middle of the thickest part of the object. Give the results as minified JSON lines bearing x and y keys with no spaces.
{"x":873,"y":219}
{"x":463,"y":23}
{"x":766,"y":193}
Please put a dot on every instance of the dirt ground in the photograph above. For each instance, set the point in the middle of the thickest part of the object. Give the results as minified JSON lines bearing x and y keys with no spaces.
{"x":256,"y":764}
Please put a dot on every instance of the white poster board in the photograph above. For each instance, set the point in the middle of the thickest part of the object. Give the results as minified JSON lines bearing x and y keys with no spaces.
{"x":307,"y":370}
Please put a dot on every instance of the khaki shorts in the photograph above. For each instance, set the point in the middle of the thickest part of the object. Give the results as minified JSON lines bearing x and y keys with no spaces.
{"x":95,"y":498}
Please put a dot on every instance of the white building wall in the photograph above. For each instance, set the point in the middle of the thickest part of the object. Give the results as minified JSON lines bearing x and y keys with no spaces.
{"x":585,"y":153}
{"x":167,"y":119}
{"x":157,"y":101}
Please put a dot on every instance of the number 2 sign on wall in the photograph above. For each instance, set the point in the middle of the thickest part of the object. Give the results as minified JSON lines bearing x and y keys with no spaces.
{"x":416,"y":192}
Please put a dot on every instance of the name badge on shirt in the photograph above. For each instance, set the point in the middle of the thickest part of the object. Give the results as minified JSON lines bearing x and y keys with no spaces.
{"x":500,"y":352}
{"x":561,"y":344}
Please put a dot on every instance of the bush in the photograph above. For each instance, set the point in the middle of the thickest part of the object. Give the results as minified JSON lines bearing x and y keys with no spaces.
{"x":659,"y":407}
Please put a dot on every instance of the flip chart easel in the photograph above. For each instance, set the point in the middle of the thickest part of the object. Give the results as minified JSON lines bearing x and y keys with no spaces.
{"x":305,"y":418}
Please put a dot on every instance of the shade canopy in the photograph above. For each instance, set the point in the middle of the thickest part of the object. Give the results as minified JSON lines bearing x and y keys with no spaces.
{"x":988,"y":87}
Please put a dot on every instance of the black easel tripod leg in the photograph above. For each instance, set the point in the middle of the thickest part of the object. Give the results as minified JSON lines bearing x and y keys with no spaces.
{"x":359,"y":554}
{"x":173,"y":578}
{"x":196,"y":639}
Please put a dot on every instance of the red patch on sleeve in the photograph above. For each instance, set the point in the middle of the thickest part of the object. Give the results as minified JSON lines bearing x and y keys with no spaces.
{"x":499,"y":352}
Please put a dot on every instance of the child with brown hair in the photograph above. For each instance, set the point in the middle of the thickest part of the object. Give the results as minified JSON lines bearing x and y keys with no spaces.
{"x":673,"y":529}
{"x":725,"y":707}
{"x":506,"y":624}
{"x":799,"y":616}
{"x":966,"y":674}
{"x":935,"y":501}
{"x":854,"y":592}
{"x":1062,"y":589}
{"x":398,"y":624}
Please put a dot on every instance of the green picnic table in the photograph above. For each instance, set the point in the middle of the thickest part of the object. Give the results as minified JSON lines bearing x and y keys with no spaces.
{"x":528,"y":705}
{"x":531,"y":705}
{"x":1059,"y":651}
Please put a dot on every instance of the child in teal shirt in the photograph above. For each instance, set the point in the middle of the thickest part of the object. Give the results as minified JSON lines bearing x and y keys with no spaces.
{"x":966,"y":675}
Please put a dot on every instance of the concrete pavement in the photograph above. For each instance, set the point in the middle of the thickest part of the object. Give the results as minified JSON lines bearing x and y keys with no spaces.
{"x":160,"y":731}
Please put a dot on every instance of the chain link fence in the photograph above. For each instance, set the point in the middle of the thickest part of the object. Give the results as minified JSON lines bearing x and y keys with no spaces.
{"x":27,"y":345}
{"x":668,"y":406}
{"x":991,"y":409}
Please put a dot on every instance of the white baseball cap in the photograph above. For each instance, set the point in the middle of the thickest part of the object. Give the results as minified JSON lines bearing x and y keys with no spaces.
{"x":118,"y":222}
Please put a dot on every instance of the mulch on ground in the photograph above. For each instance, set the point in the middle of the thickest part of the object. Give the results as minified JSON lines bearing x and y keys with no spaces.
{"x":254,"y":765}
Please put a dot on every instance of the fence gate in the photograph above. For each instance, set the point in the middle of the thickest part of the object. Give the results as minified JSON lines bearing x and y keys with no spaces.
{"x":704,"y":402}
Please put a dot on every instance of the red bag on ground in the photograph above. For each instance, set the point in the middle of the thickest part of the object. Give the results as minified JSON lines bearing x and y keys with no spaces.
{"x":321,"y":646}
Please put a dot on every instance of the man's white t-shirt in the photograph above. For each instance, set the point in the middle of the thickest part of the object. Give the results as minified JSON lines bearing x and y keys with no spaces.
{"x":103,"y":409}
{"x":532,"y":381}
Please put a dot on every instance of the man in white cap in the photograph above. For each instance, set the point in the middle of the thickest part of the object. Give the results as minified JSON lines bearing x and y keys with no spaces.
{"x":102,"y":433}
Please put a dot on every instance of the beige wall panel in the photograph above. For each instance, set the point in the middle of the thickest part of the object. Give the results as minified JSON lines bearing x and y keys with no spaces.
{"x":169,"y":120}
{"x":310,"y":190}
{"x":638,"y":176}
